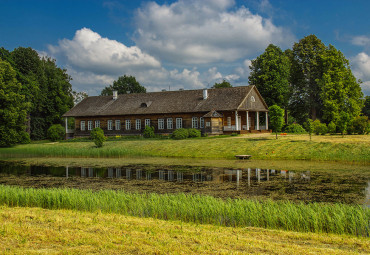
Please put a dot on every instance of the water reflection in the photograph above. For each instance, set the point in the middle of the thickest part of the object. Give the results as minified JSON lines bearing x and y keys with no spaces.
{"x":216,"y":175}
{"x":326,"y":186}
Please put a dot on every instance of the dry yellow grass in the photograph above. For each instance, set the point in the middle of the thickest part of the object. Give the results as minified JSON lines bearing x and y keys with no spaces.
{"x":40,"y":231}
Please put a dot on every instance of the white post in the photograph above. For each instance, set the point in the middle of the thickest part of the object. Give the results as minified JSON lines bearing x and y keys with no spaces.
{"x":258,"y":121}
{"x":236,"y":120}
{"x":66,"y":127}
{"x":247,"y":120}
{"x":267,"y":121}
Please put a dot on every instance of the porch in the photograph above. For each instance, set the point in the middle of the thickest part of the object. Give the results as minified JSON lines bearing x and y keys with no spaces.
{"x":244,"y":122}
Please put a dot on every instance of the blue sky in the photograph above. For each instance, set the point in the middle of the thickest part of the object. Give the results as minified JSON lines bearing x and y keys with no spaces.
{"x":179,"y":44}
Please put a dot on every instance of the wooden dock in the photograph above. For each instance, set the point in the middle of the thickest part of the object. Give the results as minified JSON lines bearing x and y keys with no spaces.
{"x":243,"y":156}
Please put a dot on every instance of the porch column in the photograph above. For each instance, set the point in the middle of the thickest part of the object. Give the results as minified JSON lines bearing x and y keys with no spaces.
{"x":236,"y":120}
{"x":247,"y":120}
{"x":258,"y":121}
{"x":267,"y":121}
{"x":66,"y":120}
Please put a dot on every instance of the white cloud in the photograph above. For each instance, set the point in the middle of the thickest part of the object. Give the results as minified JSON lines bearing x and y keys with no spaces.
{"x":198,"y":32}
{"x":88,"y":51}
{"x":361,"y":70}
{"x":361,"y":40}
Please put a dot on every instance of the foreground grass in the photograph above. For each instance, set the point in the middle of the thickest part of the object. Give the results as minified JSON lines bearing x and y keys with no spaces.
{"x":285,"y":215}
{"x":293,"y":147}
{"x":41,"y":231}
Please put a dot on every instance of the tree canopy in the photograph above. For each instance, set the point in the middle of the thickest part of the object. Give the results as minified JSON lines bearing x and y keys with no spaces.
{"x":311,"y":80}
{"x":270,"y":74}
{"x":44,"y":86}
{"x":13,"y":108}
{"x":124,"y":84}
{"x":223,"y":84}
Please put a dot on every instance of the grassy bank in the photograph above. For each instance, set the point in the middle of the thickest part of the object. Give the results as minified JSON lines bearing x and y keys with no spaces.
{"x":313,"y":217}
{"x":293,"y":147}
{"x":41,"y":231}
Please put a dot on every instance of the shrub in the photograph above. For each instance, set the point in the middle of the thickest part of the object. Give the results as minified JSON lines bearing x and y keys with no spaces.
{"x":192,"y":132}
{"x":97,"y":135}
{"x":295,"y":128}
{"x":308,"y":125}
{"x":332,"y":128}
{"x":359,"y":125}
{"x":148,"y":132}
{"x":180,"y":133}
{"x":56,"y":132}
{"x":319,"y":128}
{"x":24,"y":137}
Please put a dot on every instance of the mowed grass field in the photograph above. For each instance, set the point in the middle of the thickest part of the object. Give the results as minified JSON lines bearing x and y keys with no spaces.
{"x":354,"y":148}
{"x":40,"y":231}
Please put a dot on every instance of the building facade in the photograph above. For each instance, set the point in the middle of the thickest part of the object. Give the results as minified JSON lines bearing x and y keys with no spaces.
{"x":213,"y":111}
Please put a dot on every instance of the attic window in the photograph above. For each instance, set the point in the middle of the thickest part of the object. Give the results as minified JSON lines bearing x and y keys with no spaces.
{"x":143,"y":105}
{"x":253,"y":99}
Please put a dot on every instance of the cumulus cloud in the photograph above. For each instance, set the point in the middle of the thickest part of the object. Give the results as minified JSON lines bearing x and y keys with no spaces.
{"x":199,"y":32}
{"x":88,"y":51}
{"x":361,"y":69}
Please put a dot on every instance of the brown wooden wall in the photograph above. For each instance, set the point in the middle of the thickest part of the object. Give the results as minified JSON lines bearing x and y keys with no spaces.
{"x":186,"y":123}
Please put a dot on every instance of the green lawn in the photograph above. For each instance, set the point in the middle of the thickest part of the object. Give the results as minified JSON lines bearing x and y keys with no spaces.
{"x":292,"y":147}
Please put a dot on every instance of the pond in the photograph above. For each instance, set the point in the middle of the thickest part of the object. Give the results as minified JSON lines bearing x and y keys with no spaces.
{"x":309,"y":186}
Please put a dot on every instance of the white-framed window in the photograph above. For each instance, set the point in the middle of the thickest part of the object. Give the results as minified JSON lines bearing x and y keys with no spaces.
{"x":110,"y":125}
{"x":194,"y":122}
{"x":208,"y":124}
{"x":138,"y":124}
{"x":82,"y":125}
{"x":160,"y":123}
{"x":229,"y":121}
{"x":201,"y":122}
{"x":97,"y":124}
{"x":89,"y":125}
{"x":169,"y":123}
{"x":178,"y":123}
{"x":147,"y":122}
{"x":128,"y":124}
{"x":118,"y":125}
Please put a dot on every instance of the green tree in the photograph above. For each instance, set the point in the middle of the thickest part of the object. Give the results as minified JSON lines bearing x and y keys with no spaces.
{"x":342,"y":122}
{"x":322,"y":82}
{"x":332,"y":128}
{"x":276,"y":118}
{"x":124,"y":84}
{"x":45,"y":86}
{"x":223,"y":84}
{"x":366,"y":109}
{"x":97,"y":135}
{"x":13,"y":108}
{"x":309,"y":127}
{"x":339,"y":90}
{"x":306,"y":70}
{"x":270,"y":73}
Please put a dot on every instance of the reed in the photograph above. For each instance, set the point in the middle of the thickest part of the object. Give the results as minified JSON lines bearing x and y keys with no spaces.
{"x":284,"y":215}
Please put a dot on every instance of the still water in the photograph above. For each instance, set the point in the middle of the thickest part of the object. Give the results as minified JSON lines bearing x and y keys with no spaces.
{"x":309,"y":186}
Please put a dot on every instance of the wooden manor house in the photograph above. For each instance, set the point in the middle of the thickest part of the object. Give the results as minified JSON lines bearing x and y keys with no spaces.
{"x":212,"y":111}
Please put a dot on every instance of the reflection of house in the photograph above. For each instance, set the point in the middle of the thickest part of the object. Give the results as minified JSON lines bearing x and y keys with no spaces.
{"x":213,"y":111}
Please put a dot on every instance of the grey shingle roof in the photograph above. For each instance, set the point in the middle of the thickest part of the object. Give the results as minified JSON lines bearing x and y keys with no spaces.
{"x":186,"y":101}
